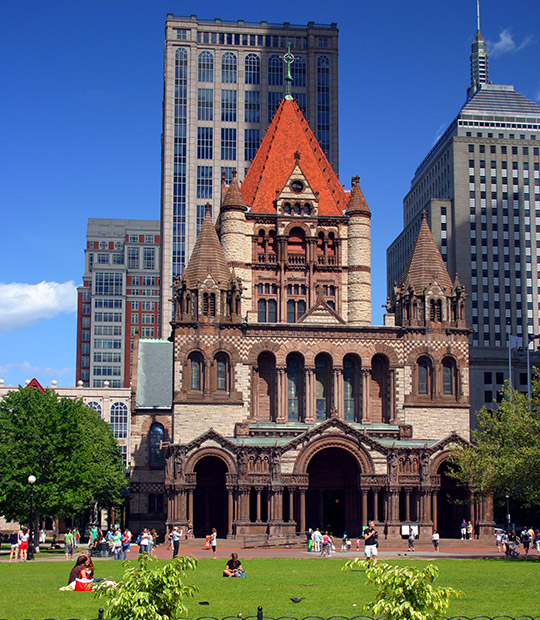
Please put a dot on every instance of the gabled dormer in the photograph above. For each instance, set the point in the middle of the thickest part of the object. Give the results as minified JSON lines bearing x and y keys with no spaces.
{"x":297,"y":198}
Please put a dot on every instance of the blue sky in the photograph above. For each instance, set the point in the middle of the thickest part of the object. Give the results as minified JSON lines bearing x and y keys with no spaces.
{"x":81,"y":124}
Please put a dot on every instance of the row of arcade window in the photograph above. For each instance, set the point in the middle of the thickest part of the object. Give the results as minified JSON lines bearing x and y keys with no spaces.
{"x":118,"y":418}
{"x":252,"y":66}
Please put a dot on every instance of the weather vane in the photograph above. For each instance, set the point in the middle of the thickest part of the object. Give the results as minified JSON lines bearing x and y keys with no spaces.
{"x":288,"y":58}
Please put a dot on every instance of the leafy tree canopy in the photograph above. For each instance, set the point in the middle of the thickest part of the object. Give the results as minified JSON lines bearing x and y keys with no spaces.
{"x":68,"y":448}
{"x":505,"y":455}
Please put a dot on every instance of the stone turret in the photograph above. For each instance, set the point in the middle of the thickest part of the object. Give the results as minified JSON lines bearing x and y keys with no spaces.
{"x":207,"y":292}
{"x":359,"y":257}
{"x":235,"y":234}
{"x":426,"y":296}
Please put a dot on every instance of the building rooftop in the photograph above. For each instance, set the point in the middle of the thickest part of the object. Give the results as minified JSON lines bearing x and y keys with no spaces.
{"x":501,"y":99}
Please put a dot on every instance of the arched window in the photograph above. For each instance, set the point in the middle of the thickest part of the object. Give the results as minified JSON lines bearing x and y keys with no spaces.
{"x":222,"y":372}
{"x":272,"y":242}
{"x":119,"y":420}
{"x":95,"y":406}
{"x":298,"y":72}
{"x":323,"y":386}
{"x":378,"y":389}
{"x":196,"y":367}
{"x":253,"y":69}
{"x":206,"y":67}
{"x":266,"y":387}
{"x":350,"y":389}
{"x":435,"y":310}
{"x":323,"y":102}
{"x":275,"y":70}
{"x":228,"y":68}
{"x":157,"y":456}
{"x":449,"y":376}
{"x":296,"y":243}
{"x":294,"y":387}
{"x":424,"y":376}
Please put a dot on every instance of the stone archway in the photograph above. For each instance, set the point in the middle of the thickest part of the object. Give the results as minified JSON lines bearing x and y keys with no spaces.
{"x":452,"y":506}
{"x":210,"y":497}
{"x":333,"y":499}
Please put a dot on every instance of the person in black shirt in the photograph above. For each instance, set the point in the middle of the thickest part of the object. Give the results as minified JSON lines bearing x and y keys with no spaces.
{"x":234,"y":567}
{"x":371,"y":542}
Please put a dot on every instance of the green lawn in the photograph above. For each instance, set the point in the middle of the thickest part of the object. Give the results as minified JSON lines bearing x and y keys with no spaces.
{"x":491,"y":587}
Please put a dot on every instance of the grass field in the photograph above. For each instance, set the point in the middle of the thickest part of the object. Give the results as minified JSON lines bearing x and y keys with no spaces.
{"x":491,"y":587}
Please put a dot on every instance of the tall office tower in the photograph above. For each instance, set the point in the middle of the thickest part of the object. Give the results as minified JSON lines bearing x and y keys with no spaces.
{"x":480,"y":186}
{"x":120,"y":294}
{"x":223,"y":82}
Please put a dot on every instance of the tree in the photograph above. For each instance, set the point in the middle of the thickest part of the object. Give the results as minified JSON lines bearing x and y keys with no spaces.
{"x":150,"y":594}
{"x":504,"y":457}
{"x":405,"y":593}
{"x":68,"y":448}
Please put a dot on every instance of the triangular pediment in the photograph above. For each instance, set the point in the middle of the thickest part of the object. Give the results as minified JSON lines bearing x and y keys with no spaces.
{"x":449,"y":440}
{"x":296,"y":196}
{"x":322,"y":314}
{"x":334,"y":426}
{"x":211,"y":437}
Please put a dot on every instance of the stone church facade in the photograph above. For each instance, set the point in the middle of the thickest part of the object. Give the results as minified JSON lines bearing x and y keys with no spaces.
{"x":275,"y":405}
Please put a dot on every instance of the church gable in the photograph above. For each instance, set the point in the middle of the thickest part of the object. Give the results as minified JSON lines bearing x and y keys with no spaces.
{"x":297,"y":196}
{"x":321,"y":313}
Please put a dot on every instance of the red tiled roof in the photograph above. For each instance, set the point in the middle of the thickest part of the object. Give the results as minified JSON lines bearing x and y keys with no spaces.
{"x":288,"y":133}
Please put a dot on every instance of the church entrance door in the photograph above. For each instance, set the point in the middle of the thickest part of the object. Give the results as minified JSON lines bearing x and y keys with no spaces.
{"x":333,"y":499}
{"x":452,"y":505}
{"x":210,"y":498}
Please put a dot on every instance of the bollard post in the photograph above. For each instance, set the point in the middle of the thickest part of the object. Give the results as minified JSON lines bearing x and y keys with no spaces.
{"x":259,"y":613}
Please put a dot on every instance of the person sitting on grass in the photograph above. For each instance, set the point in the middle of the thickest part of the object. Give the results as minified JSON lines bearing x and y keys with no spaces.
{"x":76,"y":570}
{"x":234,"y":567}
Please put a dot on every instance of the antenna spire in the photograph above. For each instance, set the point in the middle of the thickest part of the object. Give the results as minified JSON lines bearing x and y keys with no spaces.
{"x":288,"y":58}
{"x":478,"y":15}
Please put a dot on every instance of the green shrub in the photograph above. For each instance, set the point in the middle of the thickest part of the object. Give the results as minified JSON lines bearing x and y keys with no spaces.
{"x":150,"y":593}
{"x":405,"y":593}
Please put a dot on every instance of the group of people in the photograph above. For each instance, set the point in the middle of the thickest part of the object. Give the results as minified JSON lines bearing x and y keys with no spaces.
{"x":324,"y":545}
{"x":466,"y":530}
{"x":176,"y":535}
{"x":508,"y":542}
{"x":113,"y":542}
{"x":19,"y":541}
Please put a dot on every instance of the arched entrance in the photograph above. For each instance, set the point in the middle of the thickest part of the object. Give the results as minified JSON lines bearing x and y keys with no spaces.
{"x":210,"y":497}
{"x":452,"y":506}
{"x":332,"y":499}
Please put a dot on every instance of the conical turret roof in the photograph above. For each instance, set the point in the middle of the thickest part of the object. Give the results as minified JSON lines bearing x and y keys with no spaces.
{"x":357,"y":203}
{"x":233,"y":196}
{"x":425,"y":264}
{"x":207,"y":258}
{"x":289,"y":134}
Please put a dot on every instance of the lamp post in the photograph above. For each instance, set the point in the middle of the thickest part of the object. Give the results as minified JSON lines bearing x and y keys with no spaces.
{"x":31,"y":481}
{"x":508,"y":513}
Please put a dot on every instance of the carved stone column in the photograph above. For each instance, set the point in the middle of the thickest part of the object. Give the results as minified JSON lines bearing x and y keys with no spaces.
{"x":190,"y":505}
{"x":375,"y":505}
{"x":392,"y":395}
{"x":434,"y":510}
{"x":254,"y":413}
{"x":366,"y":380}
{"x":407,"y":504}
{"x":291,"y":504}
{"x":338,"y":395}
{"x":230,"y":511}
{"x":364,"y":507}
{"x":302,"y":510}
{"x":310,"y":395}
{"x":282,"y":404}
{"x":258,"y":491}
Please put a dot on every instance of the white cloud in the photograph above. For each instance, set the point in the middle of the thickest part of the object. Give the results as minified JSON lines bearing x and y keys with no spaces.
{"x":506,"y":44}
{"x":30,"y":370}
{"x":24,"y":304}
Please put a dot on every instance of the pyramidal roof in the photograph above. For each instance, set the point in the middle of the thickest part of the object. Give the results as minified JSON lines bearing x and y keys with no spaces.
{"x":500,"y":99}
{"x":425,"y":264}
{"x":233,"y":196}
{"x":207,"y":258}
{"x":290,"y":133}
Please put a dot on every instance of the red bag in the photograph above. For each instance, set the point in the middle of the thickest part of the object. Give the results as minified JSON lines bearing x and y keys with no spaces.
{"x":83,"y":585}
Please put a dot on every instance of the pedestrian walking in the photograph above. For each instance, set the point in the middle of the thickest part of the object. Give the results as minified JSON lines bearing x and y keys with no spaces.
{"x":371,"y":543}
{"x":213,"y":542}
{"x":435,"y":540}
{"x":411,"y":538}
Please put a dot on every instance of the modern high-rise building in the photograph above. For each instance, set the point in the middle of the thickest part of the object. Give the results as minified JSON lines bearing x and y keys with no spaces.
{"x":223,"y":82}
{"x":119,"y":295}
{"x":480,"y":187}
